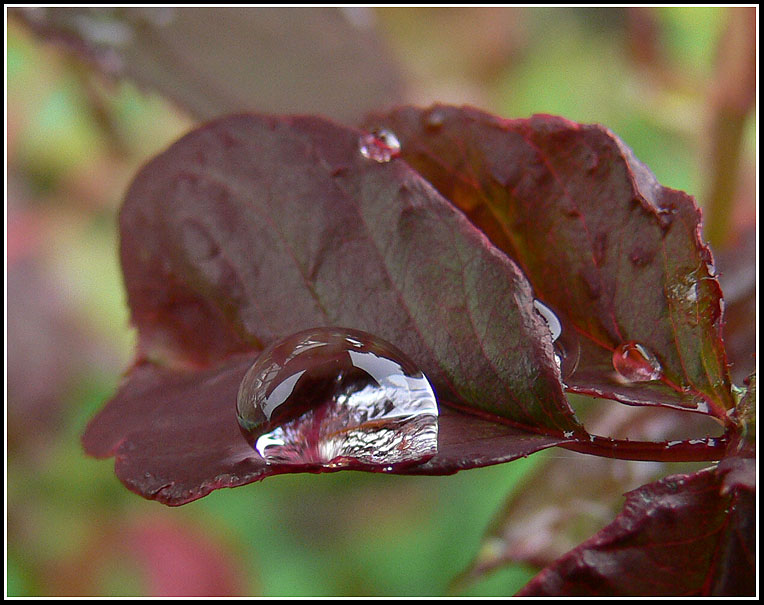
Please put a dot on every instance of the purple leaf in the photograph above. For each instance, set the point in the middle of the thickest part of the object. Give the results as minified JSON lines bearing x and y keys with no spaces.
{"x":609,"y":249}
{"x":569,"y":497}
{"x":263,"y":227}
{"x":252,"y":228}
{"x":685,"y":535}
{"x":175,"y":437}
{"x":219,"y":60}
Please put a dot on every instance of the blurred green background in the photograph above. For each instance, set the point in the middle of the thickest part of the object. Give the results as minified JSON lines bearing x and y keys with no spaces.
{"x":74,"y":139}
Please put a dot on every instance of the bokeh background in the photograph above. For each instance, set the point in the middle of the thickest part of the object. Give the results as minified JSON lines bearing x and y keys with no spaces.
{"x":676,"y":84}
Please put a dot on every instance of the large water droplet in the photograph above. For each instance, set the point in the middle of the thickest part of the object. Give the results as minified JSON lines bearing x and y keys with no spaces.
{"x":567,"y":348}
{"x":635,"y":363}
{"x":338,"y":398}
{"x":381,"y":146}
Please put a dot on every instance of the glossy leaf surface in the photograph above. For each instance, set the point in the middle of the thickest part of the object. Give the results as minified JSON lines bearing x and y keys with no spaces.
{"x":252,"y":228}
{"x":615,"y":254}
{"x":175,"y":437}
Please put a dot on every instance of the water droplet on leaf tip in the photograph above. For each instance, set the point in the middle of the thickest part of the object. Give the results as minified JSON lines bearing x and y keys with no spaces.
{"x":338,"y":398}
{"x":635,"y":363}
{"x":381,"y":145}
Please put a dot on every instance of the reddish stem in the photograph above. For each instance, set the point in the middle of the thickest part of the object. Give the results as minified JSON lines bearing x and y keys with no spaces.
{"x":690,"y":450}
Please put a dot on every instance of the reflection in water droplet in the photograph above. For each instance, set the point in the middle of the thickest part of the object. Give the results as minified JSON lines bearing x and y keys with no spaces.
{"x":567,"y":348}
{"x":380,"y":146}
{"x":338,"y":398}
{"x":635,"y":363}
{"x":555,"y":327}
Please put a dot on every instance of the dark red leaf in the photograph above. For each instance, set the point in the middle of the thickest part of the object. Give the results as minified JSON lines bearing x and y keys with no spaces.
{"x":569,"y":497}
{"x":685,"y":535}
{"x":614,"y":253}
{"x":175,"y":436}
{"x":252,"y":228}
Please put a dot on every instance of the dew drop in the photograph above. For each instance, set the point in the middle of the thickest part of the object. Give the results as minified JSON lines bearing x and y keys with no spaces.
{"x":381,"y":146}
{"x":434,"y":119}
{"x":635,"y":363}
{"x":552,"y":321}
{"x":338,"y":398}
{"x":567,"y":348}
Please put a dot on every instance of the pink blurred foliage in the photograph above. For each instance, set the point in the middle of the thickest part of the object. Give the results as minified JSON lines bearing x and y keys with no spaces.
{"x":161,"y":557}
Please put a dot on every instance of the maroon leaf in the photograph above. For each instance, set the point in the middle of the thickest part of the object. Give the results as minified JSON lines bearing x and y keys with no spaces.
{"x":570,"y":497}
{"x":252,"y":228}
{"x":262,"y":227}
{"x":685,"y":535}
{"x":175,"y":436}
{"x":615,"y":254}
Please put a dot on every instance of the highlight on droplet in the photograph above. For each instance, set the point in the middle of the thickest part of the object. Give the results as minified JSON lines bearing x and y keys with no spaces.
{"x":635,"y":363}
{"x":567,"y":348}
{"x":381,"y":145}
{"x":338,"y":398}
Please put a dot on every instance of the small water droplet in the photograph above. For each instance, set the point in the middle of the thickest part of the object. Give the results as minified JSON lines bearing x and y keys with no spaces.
{"x":434,"y":119}
{"x":338,"y":398}
{"x":555,"y":327}
{"x":567,"y":348}
{"x":683,"y":293}
{"x":381,"y":146}
{"x":635,"y":363}
{"x":665,"y":216}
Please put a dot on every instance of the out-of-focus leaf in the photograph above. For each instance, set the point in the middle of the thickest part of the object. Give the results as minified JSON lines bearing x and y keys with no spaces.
{"x":736,"y":265}
{"x":149,"y":556}
{"x":569,"y":498}
{"x":685,"y":535}
{"x":252,"y":228}
{"x":219,"y":60}
{"x":614,"y":253}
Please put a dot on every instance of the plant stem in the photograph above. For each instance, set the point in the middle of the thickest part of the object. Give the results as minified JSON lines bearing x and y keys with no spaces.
{"x":691,"y":450}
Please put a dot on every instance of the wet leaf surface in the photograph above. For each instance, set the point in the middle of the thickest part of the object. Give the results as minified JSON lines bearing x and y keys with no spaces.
{"x":253,"y":228}
{"x":617,"y":256}
{"x":175,"y":437}
{"x":685,"y":535}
